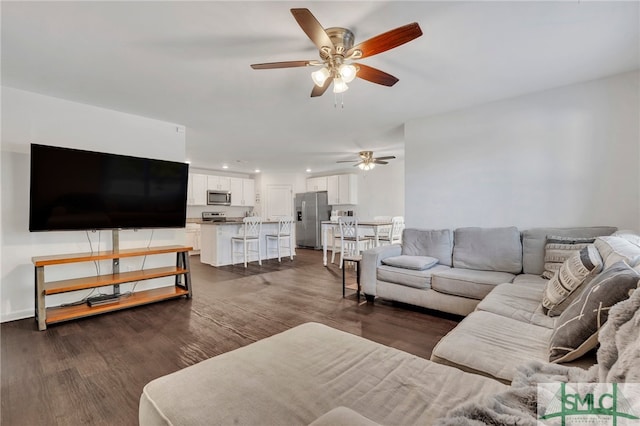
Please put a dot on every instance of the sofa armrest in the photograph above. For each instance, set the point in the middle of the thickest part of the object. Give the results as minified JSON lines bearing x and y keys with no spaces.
{"x":371,"y":259}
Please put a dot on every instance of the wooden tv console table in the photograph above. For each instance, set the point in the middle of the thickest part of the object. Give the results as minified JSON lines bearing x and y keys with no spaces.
{"x":45,"y":316}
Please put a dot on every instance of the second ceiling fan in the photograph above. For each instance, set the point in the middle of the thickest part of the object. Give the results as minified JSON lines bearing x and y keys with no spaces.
{"x":337,"y":53}
{"x":367,"y":161}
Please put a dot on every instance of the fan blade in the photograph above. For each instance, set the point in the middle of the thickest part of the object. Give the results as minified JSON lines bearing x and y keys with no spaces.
{"x":313,"y":29}
{"x":319,"y":91}
{"x":386,"y":41}
{"x":356,"y":165}
{"x":390,"y":157}
{"x":380,"y":162}
{"x":374,"y":75}
{"x":347,"y":161}
{"x":287,"y":64}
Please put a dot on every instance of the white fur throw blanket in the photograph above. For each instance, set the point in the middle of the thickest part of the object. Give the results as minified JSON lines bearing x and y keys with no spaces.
{"x":618,"y":362}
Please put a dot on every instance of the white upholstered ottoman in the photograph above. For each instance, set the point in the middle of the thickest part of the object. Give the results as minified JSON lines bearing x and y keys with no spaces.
{"x":297,"y":376}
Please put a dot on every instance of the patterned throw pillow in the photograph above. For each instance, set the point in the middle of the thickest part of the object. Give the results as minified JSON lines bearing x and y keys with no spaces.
{"x":558,"y":249}
{"x":576,"y":331}
{"x":574,"y":272}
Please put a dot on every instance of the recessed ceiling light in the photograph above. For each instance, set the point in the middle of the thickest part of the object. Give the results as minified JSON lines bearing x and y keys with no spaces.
{"x":308,"y":170}
{"x":187,"y":161}
{"x":224,"y":166}
{"x":257,"y":170}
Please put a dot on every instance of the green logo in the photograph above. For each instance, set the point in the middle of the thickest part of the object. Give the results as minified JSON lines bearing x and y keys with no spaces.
{"x":601,"y":403}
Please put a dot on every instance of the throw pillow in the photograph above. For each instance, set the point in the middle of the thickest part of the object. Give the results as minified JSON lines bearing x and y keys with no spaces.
{"x":558,"y":249}
{"x":576,"y":331}
{"x":574,"y":272}
{"x":418,"y":263}
{"x":613,"y":249}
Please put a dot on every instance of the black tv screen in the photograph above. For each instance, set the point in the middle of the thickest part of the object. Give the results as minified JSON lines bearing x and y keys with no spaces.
{"x":72,"y":189}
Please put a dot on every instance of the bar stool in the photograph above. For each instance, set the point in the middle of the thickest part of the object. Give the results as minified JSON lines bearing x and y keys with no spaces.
{"x":250,"y":234}
{"x":285,"y":225}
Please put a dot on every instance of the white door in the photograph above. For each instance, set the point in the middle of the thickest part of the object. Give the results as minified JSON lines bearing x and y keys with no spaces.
{"x":279,"y":200}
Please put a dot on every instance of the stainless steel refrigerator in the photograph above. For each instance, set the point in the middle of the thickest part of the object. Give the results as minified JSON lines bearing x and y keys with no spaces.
{"x":311,"y":209}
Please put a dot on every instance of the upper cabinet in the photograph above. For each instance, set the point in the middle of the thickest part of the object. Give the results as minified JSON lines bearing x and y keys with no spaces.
{"x":218,"y":183}
{"x":243,"y":192}
{"x":342,"y":189}
{"x":317,"y":184}
{"x":197,"y":190}
{"x":199,"y":184}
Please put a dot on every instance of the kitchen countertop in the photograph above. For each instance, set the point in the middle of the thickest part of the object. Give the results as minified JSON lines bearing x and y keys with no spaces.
{"x":229,"y":221}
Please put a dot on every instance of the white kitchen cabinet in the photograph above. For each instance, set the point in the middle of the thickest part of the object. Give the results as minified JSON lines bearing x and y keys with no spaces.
{"x":197,"y":190}
{"x":243,"y":192}
{"x":218,"y":183}
{"x":317,"y":184}
{"x":193,"y":237}
{"x":342,"y":189}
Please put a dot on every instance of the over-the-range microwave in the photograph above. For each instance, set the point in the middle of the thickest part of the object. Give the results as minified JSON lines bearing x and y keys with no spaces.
{"x":218,"y":198}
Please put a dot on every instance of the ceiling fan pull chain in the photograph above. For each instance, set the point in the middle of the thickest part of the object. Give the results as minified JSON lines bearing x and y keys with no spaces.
{"x":335,"y":100}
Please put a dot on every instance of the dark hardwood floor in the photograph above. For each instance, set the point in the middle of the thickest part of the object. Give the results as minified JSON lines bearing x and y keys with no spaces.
{"x":92,"y":371}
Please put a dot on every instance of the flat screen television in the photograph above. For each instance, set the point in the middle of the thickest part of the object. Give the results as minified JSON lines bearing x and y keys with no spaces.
{"x":73,"y":189}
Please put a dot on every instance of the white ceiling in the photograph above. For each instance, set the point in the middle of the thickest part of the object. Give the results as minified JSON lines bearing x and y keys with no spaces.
{"x":188,"y":63}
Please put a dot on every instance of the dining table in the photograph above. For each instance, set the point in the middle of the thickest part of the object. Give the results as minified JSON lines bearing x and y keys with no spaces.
{"x":372,"y":225}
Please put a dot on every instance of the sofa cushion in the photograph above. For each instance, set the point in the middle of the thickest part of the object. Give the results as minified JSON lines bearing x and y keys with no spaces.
{"x":519,"y":302}
{"x":468,"y":282}
{"x":436,"y":243}
{"x":533,"y":241}
{"x":559,"y":249}
{"x":411,"y":262}
{"x":563,"y":287}
{"x":614,"y":249}
{"x":576,"y":330}
{"x":532,"y":281}
{"x":409,"y":277}
{"x":492,"y":345}
{"x":488,"y":249}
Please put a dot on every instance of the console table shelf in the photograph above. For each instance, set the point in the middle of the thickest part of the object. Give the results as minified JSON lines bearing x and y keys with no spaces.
{"x":45,"y":316}
{"x":59,"y":314}
{"x":64,"y":286}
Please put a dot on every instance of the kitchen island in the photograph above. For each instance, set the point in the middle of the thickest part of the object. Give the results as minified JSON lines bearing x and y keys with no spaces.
{"x":215,"y":242}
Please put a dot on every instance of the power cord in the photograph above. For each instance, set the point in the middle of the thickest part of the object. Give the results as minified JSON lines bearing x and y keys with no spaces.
{"x":144,"y":260}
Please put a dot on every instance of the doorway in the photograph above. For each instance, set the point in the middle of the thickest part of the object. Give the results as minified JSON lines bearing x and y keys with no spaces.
{"x":279,"y":201}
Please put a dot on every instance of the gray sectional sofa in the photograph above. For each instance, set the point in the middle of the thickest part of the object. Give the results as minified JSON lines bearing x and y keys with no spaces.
{"x":485,"y":370}
{"x":494,"y":276}
{"x":470,"y":263}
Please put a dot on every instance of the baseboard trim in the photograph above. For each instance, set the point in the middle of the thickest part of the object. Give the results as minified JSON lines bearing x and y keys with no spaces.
{"x":18,"y":315}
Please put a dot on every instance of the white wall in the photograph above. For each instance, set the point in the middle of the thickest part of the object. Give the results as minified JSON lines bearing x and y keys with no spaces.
{"x":33,"y":118}
{"x":562,"y":157}
{"x":380,"y":191}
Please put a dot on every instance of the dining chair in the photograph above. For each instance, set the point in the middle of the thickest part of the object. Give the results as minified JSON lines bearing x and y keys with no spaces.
{"x":335,"y":241}
{"x":249,"y":234}
{"x":395,"y":234}
{"x":284,"y":234}
{"x":352,"y":244}
{"x":383,"y":230}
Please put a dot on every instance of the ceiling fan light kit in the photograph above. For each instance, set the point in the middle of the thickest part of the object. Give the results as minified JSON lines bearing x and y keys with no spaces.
{"x":337,"y":51}
{"x":367,"y":161}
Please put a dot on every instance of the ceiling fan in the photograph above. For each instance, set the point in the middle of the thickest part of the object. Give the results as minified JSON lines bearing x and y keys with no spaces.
{"x":337,"y":52}
{"x":367,"y":161}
